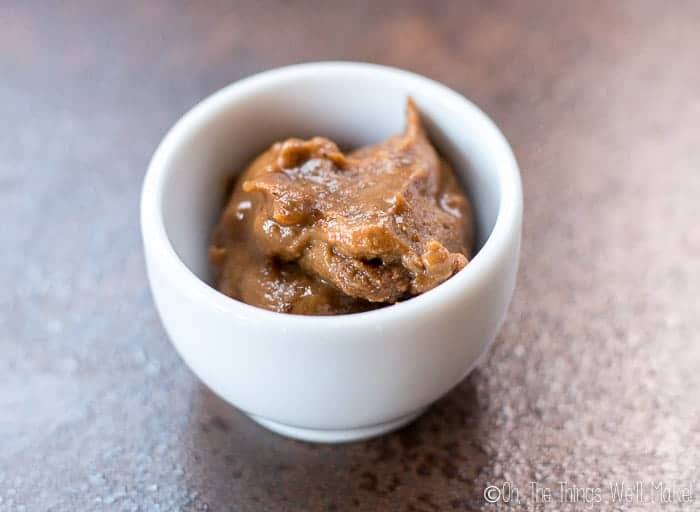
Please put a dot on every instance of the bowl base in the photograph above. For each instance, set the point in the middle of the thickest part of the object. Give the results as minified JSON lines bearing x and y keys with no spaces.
{"x":337,"y":436}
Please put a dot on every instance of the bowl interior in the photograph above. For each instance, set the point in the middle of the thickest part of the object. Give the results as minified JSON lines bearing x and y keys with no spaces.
{"x":221,"y":136}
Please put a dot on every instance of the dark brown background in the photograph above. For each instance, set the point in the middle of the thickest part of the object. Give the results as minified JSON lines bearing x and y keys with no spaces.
{"x":594,"y":377}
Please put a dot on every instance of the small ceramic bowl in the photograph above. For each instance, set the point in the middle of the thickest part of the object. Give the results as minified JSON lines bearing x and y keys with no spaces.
{"x":335,"y":378}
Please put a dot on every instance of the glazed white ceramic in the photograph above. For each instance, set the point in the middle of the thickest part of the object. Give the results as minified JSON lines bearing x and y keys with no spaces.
{"x":338,"y":378}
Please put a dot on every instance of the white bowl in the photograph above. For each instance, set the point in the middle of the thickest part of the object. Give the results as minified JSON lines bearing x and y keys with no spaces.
{"x":338,"y":378}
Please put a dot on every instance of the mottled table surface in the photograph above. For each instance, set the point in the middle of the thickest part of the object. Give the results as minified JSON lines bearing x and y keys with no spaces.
{"x":594,"y":378}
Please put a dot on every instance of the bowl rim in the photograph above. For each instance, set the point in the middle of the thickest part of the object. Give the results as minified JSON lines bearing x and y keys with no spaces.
{"x":157,"y":243}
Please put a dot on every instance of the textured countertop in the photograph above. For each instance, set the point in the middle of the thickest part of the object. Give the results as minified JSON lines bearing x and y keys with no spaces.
{"x":594,"y":378}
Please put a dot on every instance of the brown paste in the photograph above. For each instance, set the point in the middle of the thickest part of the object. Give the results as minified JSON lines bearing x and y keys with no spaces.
{"x":311,"y":230}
